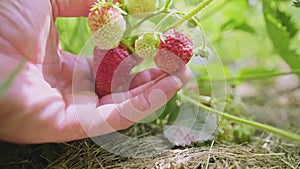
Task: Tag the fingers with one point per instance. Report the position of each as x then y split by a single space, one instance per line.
148 101
89 121
112 117
143 104
122 96
145 80
139 83
145 76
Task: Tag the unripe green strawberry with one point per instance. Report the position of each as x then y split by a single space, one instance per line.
111 68
141 6
107 24
146 45
174 51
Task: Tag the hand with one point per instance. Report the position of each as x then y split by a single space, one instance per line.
41 104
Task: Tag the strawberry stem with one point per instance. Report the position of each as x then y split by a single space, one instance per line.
280 132
202 32
164 19
255 76
167 6
146 19
192 13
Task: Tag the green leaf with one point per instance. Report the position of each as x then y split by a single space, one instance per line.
296 3
171 110
281 29
74 33
230 130
193 125
286 22
236 25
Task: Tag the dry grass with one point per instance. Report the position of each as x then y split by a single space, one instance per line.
266 151
270 152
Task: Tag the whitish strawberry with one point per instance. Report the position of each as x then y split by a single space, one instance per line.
146 45
174 51
111 68
107 24
141 6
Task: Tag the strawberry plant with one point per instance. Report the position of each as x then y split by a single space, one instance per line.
166 34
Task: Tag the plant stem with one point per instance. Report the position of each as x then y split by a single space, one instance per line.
189 15
217 7
167 6
163 20
280 132
145 19
256 76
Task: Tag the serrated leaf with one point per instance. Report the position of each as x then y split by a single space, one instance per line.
296 3
235 25
286 22
281 29
191 126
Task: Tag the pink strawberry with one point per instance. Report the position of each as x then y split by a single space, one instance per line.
174 51
107 24
111 68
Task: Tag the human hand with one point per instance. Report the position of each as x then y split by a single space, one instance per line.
42 105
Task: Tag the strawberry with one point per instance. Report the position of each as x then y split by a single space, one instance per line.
146 45
141 6
174 51
107 24
111 68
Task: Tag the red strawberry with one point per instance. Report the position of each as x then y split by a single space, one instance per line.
107 24
111 68
174 51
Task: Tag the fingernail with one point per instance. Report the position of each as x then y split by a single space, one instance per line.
178 81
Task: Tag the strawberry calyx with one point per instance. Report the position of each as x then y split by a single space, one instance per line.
109 3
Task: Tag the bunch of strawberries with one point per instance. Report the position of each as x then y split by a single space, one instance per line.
113 61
